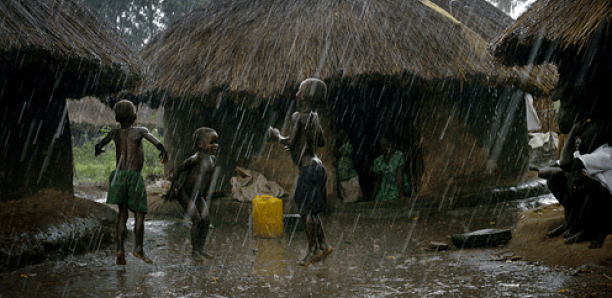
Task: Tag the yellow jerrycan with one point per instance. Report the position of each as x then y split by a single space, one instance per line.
267 217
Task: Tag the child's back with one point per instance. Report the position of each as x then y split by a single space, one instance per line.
126 185
128 144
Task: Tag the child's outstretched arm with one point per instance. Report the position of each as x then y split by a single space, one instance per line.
163 155
286 140
176 173
109 137
186 165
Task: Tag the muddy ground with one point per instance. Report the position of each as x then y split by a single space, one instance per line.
379 252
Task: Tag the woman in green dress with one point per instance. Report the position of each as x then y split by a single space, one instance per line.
390 167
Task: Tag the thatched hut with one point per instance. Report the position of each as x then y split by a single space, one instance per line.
49 51
479 15
89 115
430 86
575 35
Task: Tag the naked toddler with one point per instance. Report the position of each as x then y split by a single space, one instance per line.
192 193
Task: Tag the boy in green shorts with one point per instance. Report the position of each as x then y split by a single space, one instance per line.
126 186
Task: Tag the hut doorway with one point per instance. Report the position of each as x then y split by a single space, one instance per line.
368 112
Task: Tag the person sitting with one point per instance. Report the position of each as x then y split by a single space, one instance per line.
348 180
580 181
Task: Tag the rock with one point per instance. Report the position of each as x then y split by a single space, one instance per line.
437 246
481 238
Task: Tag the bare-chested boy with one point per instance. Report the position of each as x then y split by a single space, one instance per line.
192 193
311 190
126 186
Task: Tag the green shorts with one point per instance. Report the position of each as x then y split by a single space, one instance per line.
127 187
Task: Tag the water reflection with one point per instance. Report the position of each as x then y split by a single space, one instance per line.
530 203
270 258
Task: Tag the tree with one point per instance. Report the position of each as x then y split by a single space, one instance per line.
139 20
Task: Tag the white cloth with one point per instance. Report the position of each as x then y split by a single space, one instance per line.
598 165
533 122
350 190
249 184
548 140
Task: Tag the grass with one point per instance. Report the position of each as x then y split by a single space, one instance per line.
97 169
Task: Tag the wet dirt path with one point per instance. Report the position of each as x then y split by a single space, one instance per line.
375 256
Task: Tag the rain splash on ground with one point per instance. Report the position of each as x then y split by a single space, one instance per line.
376 255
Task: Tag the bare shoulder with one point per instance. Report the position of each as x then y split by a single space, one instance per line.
141 130
301 117
192 159
113 133
314 116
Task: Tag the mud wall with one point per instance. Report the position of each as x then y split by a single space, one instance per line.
37 151
473 139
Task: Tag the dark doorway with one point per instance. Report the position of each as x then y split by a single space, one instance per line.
369 112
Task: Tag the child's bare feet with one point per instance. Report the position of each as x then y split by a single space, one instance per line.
121 258
141 255
310 258
200 255
326 249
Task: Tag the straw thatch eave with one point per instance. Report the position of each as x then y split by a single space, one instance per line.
65 37
479 15
553 30
92 112
261 47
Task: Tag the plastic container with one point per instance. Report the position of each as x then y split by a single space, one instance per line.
267 217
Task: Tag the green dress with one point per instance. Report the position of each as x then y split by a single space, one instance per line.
346 168
389 189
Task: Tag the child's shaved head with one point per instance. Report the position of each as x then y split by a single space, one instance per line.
125 112
201 133
313 90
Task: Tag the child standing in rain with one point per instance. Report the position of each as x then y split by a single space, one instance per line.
311 190
126 185
393 184
192 193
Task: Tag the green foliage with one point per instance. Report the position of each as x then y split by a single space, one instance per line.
98 169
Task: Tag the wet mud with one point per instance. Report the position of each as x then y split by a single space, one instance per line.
376 255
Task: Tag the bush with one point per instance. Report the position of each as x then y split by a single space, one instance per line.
98 169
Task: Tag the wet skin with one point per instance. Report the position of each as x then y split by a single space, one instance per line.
192 194
130 157
305 136
128 143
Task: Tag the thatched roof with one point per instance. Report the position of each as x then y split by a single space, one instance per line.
263 46
65 36
553 30
91 111
479 15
